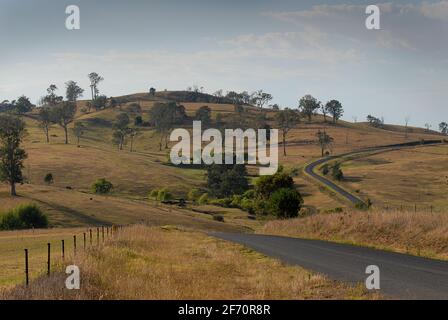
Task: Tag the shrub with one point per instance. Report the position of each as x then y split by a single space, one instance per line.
247 205
194 194
164 195
336 172
325 169
225 202
102 186
31 216
24 217
260 206
249 194
285 203
153 194
226 180
203 199
236 201
10 221
138 121
266 185
48 178
218 217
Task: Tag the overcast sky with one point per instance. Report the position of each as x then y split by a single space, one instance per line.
288 48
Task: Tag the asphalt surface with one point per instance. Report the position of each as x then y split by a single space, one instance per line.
309 169
401 276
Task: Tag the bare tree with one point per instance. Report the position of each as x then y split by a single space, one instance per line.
406 123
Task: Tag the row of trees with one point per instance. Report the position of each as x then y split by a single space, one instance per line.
19 106
310 106
55 110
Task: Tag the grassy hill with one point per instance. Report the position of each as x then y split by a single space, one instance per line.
406 175
135 174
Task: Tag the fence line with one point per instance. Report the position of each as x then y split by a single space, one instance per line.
109 233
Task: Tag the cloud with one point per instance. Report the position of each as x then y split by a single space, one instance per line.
311 45
435 10
410 27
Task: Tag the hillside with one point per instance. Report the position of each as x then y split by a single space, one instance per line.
389 178
135 174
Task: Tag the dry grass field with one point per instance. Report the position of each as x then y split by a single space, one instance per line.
135 174
422 233
168 263
415 175
407 177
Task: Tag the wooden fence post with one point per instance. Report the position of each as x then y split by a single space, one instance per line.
97 236
102 232
26 268
74 244
90 231
63 249
84 234
48 258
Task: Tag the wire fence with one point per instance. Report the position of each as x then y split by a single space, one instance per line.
37 263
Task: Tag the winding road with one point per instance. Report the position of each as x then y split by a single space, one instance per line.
401 276
309 169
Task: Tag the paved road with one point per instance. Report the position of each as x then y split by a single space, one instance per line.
401 276
309 169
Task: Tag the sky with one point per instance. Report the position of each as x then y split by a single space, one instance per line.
287 48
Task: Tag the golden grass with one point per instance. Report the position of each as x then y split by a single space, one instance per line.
168 263
401 178
13 243
422 233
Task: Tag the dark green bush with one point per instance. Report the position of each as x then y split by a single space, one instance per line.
266 185
10 221
336 172
164 195
285 203
49 178
102 186
24 217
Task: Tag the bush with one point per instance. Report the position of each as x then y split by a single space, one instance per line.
218 217
249 194
194 194
203 199
285 203
24 217
153 194
225 202
236 201
247 205
10 221
325 169
138 121
164 195
336 172
102 186
266 185
48 178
